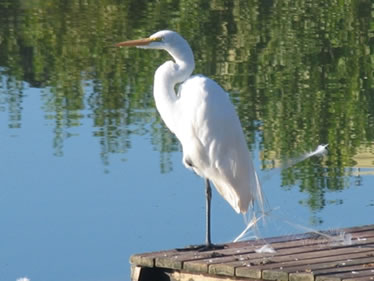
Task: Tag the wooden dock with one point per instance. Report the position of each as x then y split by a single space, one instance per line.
344 254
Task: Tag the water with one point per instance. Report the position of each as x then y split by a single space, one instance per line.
90 175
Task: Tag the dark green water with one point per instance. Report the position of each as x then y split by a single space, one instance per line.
300 73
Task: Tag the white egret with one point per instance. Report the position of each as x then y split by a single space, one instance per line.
204 120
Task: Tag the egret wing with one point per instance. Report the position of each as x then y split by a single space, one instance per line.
213 142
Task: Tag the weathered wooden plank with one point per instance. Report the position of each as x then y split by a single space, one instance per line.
221 269
368 273
226 256
328 256
173 257
148 261
300 265
282 261
365 231
301 276
331 267
180 256
338 255
366 278
248 271
231 262
359 231
306 266
324 244
135 272
195 266
355 269
202 265
310 246
327 278
275 275
186 276
175 260
168 262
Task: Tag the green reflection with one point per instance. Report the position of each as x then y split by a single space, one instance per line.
299 72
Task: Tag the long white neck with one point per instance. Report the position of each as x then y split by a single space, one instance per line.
166 77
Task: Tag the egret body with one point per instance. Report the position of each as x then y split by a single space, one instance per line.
204 120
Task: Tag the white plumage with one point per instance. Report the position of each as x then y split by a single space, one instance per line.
212 139
204 120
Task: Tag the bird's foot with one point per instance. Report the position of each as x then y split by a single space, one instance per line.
211 247
202 248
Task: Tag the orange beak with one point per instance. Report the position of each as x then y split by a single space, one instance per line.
138 42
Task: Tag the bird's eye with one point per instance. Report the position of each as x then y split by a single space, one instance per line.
158 39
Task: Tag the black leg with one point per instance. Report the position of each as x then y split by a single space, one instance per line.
208 194
208 243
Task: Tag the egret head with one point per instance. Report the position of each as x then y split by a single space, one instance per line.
164 39
171 42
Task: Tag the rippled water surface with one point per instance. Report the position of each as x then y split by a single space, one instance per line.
90 174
